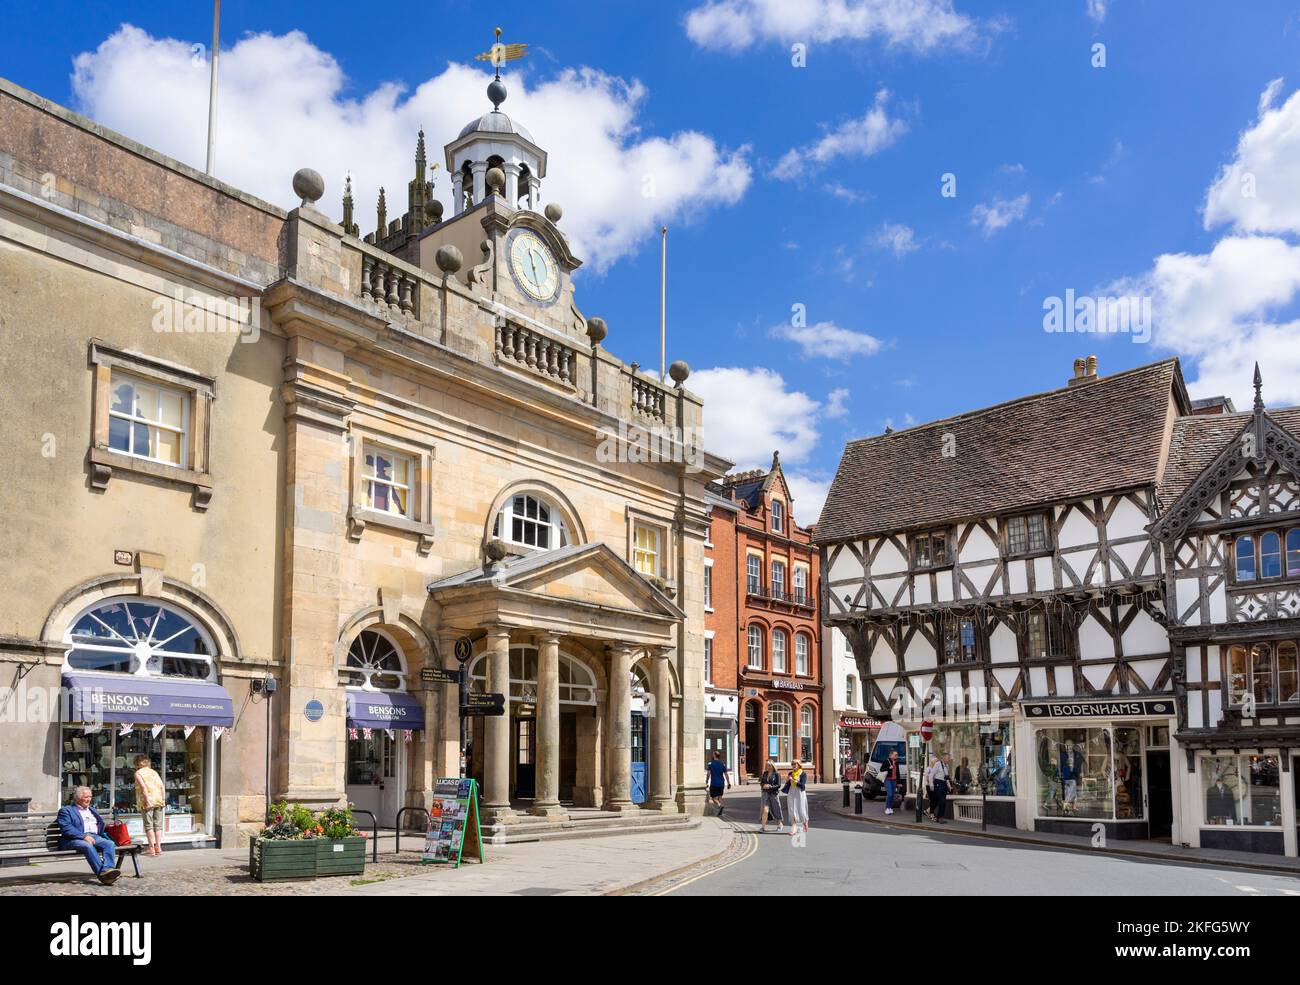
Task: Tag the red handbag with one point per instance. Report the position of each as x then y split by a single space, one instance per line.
118 833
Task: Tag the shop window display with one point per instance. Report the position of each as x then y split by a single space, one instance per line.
1076 774
104 761
979 758
1242 790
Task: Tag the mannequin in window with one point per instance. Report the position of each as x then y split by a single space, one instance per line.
1072 767
1220 804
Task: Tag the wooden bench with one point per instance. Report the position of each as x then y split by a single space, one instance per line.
35 835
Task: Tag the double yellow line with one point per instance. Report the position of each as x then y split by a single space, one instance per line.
750 848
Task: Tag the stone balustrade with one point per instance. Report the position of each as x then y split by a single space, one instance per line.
540 353
648 399
388 285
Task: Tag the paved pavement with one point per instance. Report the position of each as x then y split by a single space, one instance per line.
593 866
847 857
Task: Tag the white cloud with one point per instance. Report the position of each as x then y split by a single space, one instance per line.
837 403
1000 213
285 104
826 340
809 494
749 413
922 25
906 421
1097 11
896 237
845 194
859 137
1259 191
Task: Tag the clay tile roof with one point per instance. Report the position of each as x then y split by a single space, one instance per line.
1197 441
1062 444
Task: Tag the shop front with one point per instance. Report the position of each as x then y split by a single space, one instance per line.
381 727
111 719
1104 761
720 732
854 735
982 771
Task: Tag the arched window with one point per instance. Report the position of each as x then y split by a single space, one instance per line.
530 521
1270 556
140 636
577 686
756 647
375 663
778 651
778 728
1293 553
806 734
801 655
1245 551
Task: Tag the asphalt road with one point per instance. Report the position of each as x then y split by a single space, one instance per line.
849 858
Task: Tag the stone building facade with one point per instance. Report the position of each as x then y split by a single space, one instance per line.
775 635
271 473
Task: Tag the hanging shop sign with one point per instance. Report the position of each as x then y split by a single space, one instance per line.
1100 708
454 832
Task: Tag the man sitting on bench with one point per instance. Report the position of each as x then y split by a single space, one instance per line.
82 830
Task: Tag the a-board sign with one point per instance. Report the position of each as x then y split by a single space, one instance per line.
454 833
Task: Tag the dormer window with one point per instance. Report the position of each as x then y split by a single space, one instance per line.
530 521
778 516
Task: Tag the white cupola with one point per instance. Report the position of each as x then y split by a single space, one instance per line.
493 140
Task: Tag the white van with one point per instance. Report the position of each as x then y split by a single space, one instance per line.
890 736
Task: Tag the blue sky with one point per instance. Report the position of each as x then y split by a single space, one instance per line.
814 188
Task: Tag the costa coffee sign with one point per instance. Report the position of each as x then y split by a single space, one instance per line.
858 721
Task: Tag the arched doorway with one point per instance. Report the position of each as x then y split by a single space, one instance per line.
375 676
754 757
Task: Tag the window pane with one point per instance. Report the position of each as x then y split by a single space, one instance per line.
171 410
123 398
119 434
1261 660
1016 537
1238 674
1245 550
140 440
1270 556
146 403
167 446
1288 682
1037 532
1293 552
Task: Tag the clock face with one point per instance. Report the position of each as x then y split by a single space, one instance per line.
534 268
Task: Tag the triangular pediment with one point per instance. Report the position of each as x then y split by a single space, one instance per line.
581 575
1260 441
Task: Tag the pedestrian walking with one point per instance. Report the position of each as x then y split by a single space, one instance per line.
719 774
796 800
939 784
928 784
150 801
770 785
893 777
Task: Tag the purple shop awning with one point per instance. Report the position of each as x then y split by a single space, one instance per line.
384 709
147 700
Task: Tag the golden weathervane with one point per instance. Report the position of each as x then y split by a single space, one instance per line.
500 53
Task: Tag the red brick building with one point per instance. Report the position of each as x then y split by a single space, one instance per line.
762 632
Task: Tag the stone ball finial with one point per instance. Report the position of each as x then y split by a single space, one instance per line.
496 93
435 207
448 258
679 371
496 181
496 551
554 212
308 185
597 330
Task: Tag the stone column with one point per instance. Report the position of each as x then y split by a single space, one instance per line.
496 731
661 733
618 731
547 803
479 169
512 184
456 192
445 729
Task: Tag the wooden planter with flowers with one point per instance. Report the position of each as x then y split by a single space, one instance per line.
298 844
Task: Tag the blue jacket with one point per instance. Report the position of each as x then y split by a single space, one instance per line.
802 784
71 828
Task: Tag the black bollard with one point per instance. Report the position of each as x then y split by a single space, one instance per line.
857 802
846 793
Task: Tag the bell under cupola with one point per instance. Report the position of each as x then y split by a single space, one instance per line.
493 140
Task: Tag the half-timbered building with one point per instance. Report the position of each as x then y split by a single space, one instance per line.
993 572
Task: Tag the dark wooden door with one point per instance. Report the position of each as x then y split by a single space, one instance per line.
1160 794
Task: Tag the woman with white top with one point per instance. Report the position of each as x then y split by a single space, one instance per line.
796 800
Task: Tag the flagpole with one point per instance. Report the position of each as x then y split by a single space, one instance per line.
663 295
212 83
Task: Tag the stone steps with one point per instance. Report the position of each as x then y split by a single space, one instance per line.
588 824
